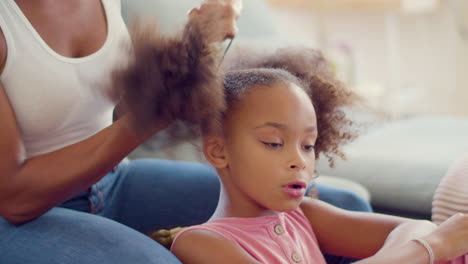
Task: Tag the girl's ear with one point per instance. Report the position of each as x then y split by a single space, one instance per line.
214 151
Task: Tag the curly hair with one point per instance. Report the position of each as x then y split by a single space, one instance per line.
308 69
177 79
171 79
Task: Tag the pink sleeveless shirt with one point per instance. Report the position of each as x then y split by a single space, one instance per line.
277 239
283 238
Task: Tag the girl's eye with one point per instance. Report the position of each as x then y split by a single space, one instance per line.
308 148
272 144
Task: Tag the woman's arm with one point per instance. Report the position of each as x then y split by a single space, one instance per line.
30 188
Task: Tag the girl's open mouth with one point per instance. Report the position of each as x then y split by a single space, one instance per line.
295 189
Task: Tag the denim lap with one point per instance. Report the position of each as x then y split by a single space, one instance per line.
149 194
71 237
141 195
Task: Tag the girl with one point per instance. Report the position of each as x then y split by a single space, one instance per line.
282 112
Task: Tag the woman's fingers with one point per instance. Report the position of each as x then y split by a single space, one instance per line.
217 19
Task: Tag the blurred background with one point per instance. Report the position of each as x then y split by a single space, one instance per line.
408 58
405 56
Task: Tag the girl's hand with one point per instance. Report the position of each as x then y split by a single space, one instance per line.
407 231
450 239
216 19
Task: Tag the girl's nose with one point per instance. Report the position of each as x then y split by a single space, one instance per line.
297 162
298 167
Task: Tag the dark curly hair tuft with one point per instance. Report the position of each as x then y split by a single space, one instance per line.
177 79
311 72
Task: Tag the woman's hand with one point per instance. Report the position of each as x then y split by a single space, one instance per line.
450 239
217 19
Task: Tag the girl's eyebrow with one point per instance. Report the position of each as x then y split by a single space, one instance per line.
283 126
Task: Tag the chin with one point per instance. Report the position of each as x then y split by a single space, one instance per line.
287 206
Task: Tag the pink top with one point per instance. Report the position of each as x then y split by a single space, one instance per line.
283 238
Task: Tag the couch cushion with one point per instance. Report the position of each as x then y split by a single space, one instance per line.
345 184
402 162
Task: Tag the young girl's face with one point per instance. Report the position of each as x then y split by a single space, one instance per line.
269 146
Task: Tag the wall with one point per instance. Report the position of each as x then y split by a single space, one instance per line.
404 63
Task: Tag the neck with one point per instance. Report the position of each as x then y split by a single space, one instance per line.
234 203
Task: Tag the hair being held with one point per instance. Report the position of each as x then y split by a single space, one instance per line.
171 79
175 79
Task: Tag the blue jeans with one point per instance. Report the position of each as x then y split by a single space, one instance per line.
106 224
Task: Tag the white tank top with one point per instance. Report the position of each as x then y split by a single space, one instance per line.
57 100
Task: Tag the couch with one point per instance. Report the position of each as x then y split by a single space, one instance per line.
402 161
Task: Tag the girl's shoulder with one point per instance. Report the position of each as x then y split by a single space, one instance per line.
198 245
315 209
335 227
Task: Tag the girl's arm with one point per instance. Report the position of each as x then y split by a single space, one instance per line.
354 234
407 253
384 239
206 247
447 242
